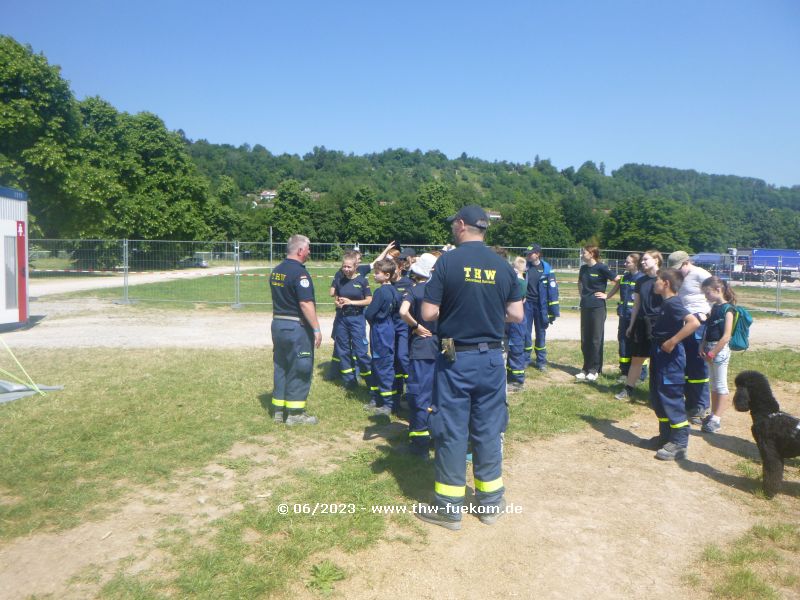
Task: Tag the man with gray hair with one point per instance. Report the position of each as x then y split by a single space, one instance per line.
295 334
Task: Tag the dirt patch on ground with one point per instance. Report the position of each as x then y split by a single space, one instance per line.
53 563
598 515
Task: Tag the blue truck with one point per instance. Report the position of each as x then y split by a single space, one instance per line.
768 263
752 264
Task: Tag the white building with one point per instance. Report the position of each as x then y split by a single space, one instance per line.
13 256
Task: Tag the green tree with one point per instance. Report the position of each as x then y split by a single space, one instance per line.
535 219
362 218
292 212
646 222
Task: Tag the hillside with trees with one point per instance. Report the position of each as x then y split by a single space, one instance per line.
92 171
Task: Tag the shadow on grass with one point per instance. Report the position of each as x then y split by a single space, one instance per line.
732 444
414 475
265 399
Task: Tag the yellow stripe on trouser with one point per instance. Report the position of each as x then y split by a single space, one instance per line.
488 486
510 370
706 380
419 433
335 359
366 373
295 404
346 371
453 491
660 420
528 348
278 403
387 393
679 425
622 359
542 348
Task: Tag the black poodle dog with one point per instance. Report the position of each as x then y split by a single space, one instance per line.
776 433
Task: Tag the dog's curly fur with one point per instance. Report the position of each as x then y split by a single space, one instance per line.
777 434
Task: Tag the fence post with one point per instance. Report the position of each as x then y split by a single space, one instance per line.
270 245
237 274
778 280
125 269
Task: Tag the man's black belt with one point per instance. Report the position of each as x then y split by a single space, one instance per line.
351 311
480 346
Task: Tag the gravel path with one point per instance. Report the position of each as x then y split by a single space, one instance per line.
98 323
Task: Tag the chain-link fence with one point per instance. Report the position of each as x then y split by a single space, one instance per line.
235 273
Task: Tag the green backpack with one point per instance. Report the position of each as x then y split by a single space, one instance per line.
740 336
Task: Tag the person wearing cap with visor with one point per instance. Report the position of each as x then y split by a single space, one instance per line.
471 294
423 349
691 295
541 305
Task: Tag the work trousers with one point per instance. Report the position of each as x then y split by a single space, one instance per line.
419 393
401 359
381 339
666 394
469 405
697 378
593 322
535 333
624 344
293 364
517 360
349 340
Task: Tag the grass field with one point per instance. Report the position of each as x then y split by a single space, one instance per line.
129 418
255 293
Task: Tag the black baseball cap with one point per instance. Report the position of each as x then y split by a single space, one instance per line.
472 214
406 252
533 248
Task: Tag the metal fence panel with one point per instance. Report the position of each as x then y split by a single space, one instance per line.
236 273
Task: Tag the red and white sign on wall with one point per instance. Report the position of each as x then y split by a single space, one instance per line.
22 271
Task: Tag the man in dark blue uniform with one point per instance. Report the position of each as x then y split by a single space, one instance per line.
541 305
472 293
295 334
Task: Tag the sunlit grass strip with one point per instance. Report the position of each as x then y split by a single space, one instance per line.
760 564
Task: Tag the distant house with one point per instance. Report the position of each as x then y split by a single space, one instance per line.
494 215
267 195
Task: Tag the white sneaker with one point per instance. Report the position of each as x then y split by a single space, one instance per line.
591 377
580 376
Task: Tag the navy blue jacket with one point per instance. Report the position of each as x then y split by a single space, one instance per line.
547 287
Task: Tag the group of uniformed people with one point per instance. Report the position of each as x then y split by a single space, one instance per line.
438 325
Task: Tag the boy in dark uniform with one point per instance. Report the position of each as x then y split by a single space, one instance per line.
471 294
402 283
423 350
667 364
380 315
295 334
352 294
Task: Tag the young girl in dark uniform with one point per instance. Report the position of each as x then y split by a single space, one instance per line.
593 279
667 364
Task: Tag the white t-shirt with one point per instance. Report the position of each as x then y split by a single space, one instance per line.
691 294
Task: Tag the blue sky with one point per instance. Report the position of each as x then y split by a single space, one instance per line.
707 85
